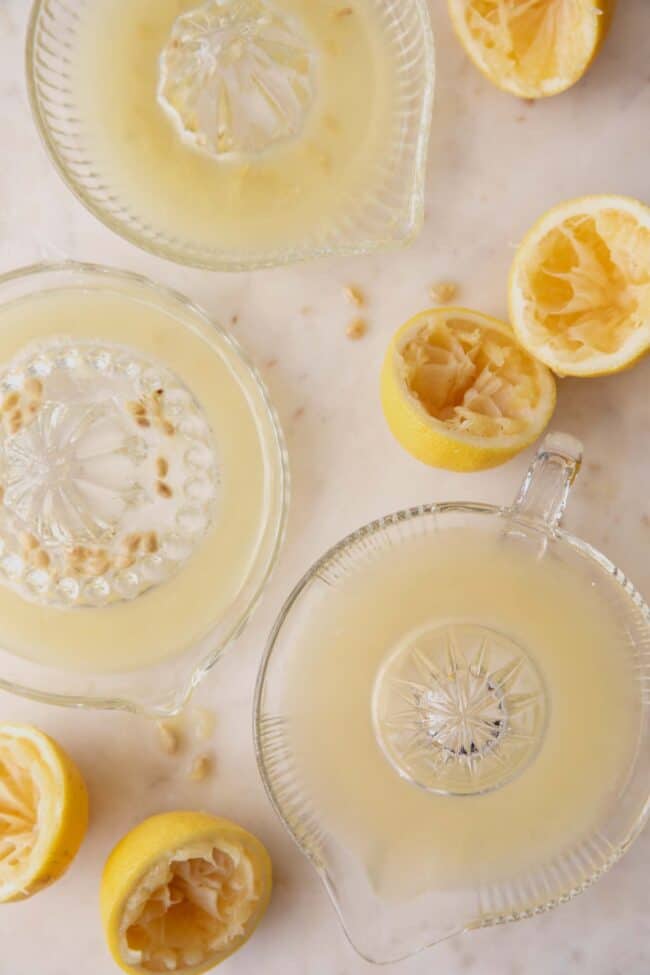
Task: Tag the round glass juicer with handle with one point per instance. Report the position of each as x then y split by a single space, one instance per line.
144 487
429 715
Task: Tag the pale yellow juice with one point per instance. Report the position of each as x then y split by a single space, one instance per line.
407 838
270 191
129 523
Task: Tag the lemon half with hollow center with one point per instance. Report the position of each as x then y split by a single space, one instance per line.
459 392
580 286
43 811
532 48
181 892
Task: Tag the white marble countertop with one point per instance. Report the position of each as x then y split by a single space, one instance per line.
496 163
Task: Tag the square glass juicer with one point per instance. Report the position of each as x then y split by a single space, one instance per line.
233 134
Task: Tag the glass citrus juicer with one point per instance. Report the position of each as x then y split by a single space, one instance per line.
452 715
232 134
143 484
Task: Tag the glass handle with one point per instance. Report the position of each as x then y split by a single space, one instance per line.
545 490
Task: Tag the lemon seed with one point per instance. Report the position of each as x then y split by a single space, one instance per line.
444 291
10 402
168 738
355 295
200 768
356 329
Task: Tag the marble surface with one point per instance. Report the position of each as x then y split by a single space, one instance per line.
495 164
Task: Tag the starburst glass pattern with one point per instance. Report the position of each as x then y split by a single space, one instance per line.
459 708
108 473
236 77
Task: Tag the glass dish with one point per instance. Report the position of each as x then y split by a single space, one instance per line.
79 459
383 219
389 928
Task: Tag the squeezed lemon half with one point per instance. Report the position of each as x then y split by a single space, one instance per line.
580 286
459 392
532 48
43 811
181 892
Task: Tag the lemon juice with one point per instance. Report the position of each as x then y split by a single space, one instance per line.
241 126
137 476
461 707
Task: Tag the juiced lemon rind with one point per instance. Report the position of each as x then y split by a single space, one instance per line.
579 289
182 892
459 392
43 811
532 50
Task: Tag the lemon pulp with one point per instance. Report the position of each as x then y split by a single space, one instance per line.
20 792
459 392
43 812
580 288
473 381
531 48
183 891
194 904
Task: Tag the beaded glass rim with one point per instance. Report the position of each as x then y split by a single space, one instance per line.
190 669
